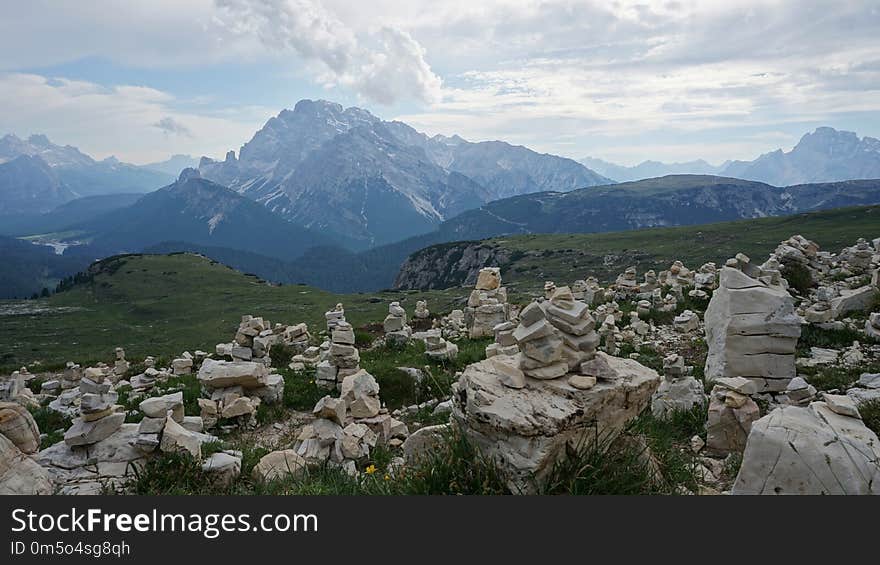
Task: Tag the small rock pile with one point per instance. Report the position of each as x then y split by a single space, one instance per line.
679 391
396 330
421 312
627 284
236 389
99 418
120 367
334 317
555 337
341 358
487 305
505 343
731 414
872 326
686 322
677 278
347 428
308 359
256 336
166 427
453 326
439 349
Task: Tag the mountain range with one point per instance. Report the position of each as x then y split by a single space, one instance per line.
344 171
200 212
37 175
825 155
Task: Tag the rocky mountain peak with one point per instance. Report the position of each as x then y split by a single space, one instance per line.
187 174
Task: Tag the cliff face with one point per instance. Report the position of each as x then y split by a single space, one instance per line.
448 265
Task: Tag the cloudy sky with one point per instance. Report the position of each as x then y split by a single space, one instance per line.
619 80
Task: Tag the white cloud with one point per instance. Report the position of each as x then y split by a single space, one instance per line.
381 65
574 77
135 123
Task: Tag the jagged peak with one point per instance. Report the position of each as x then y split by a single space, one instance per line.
187 174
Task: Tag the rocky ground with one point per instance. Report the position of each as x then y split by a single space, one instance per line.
736 377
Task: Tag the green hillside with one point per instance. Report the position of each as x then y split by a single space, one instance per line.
164 304
563 258
566 257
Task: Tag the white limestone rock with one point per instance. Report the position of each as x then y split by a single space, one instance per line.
19 473
809 450
279 465
527 430
19 427
751 331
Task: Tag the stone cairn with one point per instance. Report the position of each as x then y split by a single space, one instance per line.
487 305
556 338
650 284
341 358
525 411
334 317
437 348
256 336
121 366
679 391
731 414
344 431
549 289
627 284
589 291
99 417
397 332
751 328
872 326
14 388
505 343
677 278
686 322
158 411
236 389
453 326
421 312
705 281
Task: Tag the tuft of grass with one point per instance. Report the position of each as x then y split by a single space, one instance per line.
281 354
798 276
814 336
50 423
839 377
870 412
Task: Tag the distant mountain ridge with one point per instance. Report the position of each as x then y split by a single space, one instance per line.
201 212
825 155
650 169
345 171
68 174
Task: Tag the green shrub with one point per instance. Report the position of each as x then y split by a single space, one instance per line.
798 277
870 412
50 423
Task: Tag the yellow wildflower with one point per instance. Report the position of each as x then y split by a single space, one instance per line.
371 469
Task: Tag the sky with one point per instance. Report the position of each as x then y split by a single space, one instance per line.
619 80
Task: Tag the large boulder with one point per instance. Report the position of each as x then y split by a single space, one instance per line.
279 465
90 469
526 430
19 473
752 331
19 427
222 374
809 450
